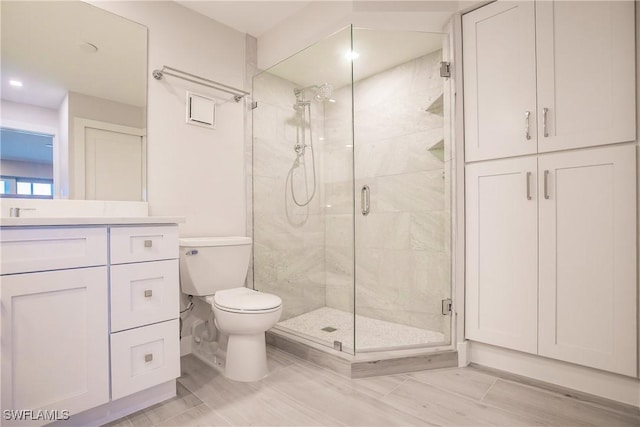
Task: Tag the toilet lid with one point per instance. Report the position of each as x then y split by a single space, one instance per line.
246 299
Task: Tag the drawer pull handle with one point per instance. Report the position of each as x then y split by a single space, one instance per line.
148 293
148 357
148 243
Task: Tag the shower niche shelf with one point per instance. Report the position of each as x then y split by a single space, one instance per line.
436 106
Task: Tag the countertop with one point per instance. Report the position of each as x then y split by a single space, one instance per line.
53 221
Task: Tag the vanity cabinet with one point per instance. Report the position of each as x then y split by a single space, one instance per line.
55 332
89 317
145 345
548 75
551 256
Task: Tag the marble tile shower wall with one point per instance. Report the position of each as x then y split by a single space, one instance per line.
403 251
289 254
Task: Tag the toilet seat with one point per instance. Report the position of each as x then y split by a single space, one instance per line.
245 300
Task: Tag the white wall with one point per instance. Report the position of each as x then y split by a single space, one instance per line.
104 110
192 171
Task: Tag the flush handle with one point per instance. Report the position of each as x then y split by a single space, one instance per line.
148 293
148 243
148 357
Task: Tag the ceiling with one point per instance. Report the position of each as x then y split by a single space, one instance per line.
26 146
247 16
44 45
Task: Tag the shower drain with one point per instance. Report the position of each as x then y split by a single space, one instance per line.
329 329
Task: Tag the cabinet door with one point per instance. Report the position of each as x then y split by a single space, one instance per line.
586 73
55 348
501 253
499 81
588 258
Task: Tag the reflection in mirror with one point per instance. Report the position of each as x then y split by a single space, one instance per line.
27 164
73 102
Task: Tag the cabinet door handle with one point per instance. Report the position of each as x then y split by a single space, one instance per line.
528 185
148 293
545 130
365 200
148 243
527 115
148 357
546 184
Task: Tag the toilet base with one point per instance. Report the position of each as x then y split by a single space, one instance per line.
246 359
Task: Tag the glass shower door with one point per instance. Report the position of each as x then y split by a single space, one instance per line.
401 175
303 204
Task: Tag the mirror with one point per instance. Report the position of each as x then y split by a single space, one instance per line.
74 93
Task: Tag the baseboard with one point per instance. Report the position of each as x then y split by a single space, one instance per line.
594 382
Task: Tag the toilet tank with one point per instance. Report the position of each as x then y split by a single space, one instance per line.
210 264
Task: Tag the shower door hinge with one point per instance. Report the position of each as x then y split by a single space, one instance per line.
253 105
446 307
445 69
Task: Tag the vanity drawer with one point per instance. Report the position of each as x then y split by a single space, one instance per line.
144 357
136 244
144 293
54 248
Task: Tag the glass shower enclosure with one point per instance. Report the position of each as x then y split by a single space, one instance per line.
351 191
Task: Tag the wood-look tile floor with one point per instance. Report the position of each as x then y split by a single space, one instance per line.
299 393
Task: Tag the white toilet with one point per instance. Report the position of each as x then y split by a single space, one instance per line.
215 268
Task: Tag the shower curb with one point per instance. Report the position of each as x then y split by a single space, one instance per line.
354 367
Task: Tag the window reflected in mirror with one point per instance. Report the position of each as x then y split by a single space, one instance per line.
26 164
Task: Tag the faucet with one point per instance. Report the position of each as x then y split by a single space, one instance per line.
15 212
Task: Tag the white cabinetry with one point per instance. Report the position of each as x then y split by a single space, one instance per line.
588 258
145 347
62 347
55 335
499 81
551 270
579 93
502 253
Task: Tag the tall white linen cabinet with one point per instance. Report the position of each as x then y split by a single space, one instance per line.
550 180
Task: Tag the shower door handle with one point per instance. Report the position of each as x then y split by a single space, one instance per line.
365 200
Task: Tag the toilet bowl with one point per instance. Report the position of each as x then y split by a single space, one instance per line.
215 269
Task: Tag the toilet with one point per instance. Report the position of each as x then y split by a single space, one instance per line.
214 269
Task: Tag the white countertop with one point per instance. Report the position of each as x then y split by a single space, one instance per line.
43 221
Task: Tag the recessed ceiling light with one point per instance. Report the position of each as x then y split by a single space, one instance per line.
351 55
87 47
15 83
331 100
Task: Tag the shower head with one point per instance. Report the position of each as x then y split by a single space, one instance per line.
322 92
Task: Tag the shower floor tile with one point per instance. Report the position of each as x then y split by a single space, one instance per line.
372 334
